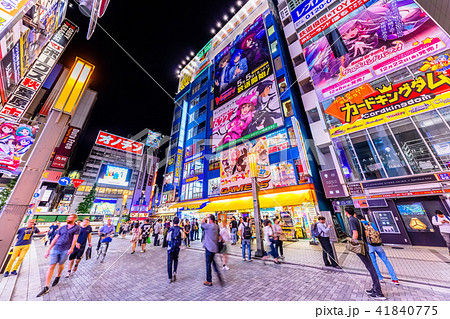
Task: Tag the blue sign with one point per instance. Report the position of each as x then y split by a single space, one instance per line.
64 181
36 195
307 10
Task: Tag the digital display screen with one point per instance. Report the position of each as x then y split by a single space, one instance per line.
114 175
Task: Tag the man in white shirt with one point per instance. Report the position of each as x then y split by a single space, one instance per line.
324 239
444 226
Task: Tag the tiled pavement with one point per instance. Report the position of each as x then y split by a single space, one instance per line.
143 276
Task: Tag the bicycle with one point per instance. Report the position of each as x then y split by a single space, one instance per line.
101 252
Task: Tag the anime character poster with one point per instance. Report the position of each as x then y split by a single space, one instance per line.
283 174
250 114
241 64
15 141
153 139
235 168
384 37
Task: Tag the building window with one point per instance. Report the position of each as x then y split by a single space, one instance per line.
196 88
274 46
306 85
202 110
287 21
199 146
347 158
203 95
299 59
270 30
278 63
201 127
175 128
204 80
195 101
282 85
313 116
287 108
177 115
291 39
191 133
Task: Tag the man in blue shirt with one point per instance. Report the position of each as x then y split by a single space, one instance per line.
83 238
60 248
105 231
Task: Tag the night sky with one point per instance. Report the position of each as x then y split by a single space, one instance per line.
159 35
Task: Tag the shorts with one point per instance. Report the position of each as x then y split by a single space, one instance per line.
144 239
224 249
77 253
58 256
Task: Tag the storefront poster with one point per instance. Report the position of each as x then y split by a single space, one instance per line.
283 174
379 40
277 141
214 187
415 217
385 222
248 115
308 10
243 63
331 184
104 206
11 70
153 139
15 141
168 178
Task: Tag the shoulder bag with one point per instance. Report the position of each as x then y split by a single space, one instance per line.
356 246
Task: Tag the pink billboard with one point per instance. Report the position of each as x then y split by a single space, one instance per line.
379 40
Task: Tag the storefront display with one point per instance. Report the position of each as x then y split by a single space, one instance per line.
415 218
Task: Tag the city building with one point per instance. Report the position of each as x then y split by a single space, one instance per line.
236 97
374 82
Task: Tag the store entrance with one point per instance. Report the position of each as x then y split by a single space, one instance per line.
416 215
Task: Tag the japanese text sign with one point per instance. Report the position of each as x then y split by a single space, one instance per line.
120 143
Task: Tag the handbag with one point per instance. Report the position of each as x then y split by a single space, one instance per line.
88 253
282 237
356 246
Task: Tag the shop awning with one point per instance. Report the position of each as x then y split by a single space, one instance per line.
265 201
191 205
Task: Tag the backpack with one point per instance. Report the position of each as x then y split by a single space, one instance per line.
174 237
315 230
373 236
247 231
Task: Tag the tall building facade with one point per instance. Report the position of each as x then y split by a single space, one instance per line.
236 98
374 81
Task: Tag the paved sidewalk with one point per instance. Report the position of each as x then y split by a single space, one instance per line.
143 276
423 265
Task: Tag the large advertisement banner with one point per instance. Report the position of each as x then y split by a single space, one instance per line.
235 168
243 63
250 114
15 141
381 39
119 143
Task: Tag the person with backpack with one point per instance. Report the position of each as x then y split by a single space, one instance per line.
358 237
245 231
444 226
174 243
374 243
322 232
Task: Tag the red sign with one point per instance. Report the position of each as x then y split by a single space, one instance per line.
329 18
59 161
120 143
51 176
77 182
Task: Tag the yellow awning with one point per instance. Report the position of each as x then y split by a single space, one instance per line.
265 201
191 205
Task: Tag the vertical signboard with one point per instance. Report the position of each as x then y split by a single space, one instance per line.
303 156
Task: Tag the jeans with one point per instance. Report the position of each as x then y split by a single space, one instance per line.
246 243
373 273
172 258
233 235
192 235
18 251
155 239
327 252
279 245
187 241
196 234
446 237
210 260
373 250
273 249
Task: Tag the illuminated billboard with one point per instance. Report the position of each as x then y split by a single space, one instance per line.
104 206
379 40
114 175
242 63
248 115
119 143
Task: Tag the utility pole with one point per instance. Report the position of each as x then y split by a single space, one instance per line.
256 211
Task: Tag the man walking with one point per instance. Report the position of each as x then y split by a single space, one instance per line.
60 248
234 230
24 238
245 231
103 232
444 226
174 243
83 238
156 231
145 233
210 243
357 233
324 239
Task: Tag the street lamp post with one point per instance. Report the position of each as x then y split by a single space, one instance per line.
256 211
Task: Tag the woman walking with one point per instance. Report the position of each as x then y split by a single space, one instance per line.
225 238
278 233
270 242
135 234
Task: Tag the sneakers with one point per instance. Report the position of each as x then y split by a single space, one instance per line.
377 296
282 257
243 259
170 281
68 274
174 276
337 267
43 292
370 291
6 274
225 267
207 283
55 282
132 252
250 260
395 282
14 272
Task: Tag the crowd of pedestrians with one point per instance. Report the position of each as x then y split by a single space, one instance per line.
73 240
